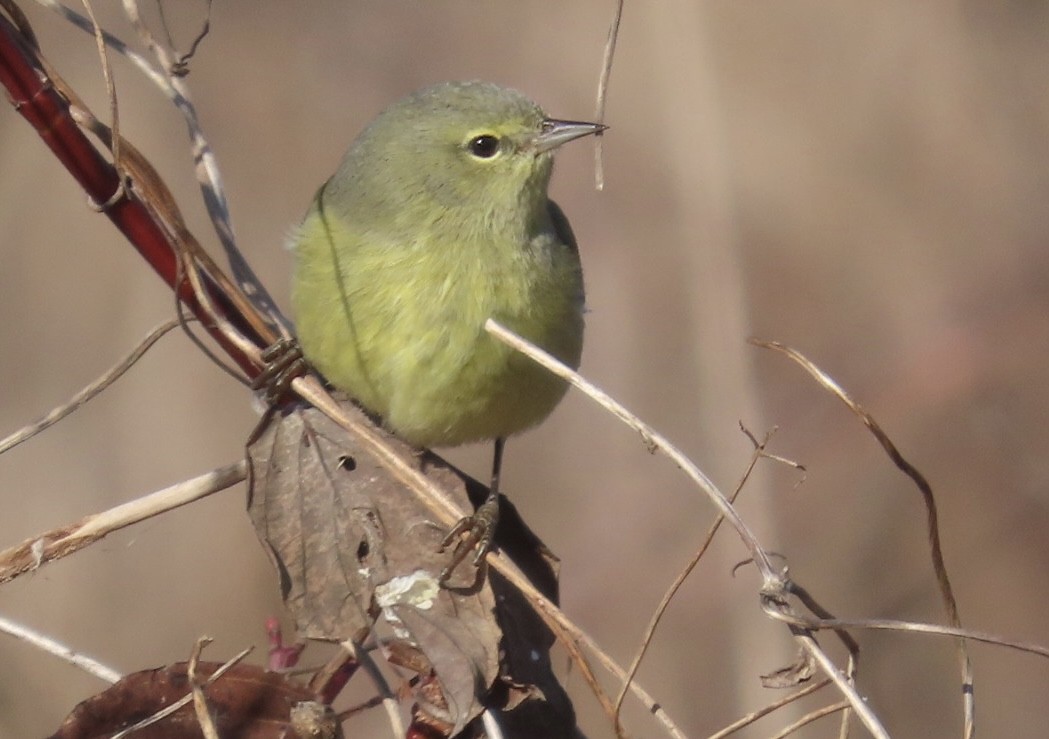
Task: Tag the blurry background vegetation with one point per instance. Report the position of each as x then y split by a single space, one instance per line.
867 182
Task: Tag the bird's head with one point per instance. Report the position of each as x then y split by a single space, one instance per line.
455 147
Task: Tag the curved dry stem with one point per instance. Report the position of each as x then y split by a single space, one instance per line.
196 685
932 519
602 93
111 375
773 588
887 624
754 716
657 616
389 701
57 649
168 79
652 439
810 717
168 710
206 168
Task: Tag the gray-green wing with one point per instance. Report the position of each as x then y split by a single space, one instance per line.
562 227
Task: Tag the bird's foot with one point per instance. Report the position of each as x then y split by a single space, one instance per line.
474 533
284 362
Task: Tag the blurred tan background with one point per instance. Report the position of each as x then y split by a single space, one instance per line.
866 182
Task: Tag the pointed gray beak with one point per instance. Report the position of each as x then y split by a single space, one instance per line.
557 132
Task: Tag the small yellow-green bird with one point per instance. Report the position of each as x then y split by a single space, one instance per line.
436 220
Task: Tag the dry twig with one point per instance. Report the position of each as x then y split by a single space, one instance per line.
933 528
168 710
602 93
389 701
650 630
200 701
87 393
773 591
53 647
63 541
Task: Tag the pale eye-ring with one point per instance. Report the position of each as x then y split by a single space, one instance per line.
485 146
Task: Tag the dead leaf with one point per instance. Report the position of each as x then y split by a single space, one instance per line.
247 703
353 545
798 672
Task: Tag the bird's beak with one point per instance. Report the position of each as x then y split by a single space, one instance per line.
554 133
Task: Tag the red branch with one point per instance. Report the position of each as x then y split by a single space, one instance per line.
33 96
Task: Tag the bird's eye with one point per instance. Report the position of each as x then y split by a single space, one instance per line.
484 147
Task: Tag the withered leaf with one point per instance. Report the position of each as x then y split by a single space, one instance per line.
245 702
798 672
352 543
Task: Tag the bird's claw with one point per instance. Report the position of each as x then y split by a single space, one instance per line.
471 533
284 362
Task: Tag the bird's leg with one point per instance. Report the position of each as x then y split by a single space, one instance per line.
284 362
475 532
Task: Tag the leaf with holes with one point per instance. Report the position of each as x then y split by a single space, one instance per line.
354 546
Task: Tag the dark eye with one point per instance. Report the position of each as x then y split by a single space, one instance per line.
484 147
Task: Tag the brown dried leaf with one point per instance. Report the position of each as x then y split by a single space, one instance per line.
798 672
352 543
246 702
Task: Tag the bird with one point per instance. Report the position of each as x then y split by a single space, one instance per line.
437 219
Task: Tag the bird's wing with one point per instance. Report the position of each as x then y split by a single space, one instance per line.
562 227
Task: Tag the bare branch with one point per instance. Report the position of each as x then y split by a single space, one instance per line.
108 378
61 542
389 702
53 647
932 525
168 710
657 616
773 592
602 93
200 701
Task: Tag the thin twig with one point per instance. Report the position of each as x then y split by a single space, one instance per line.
652 439
61 542
887 624
152 222
49 645
206 168
491 725
111 87
90 391
602 93
200 701
168 80
657 616
773 592
389 701
810 717
764 711
932 520
183 701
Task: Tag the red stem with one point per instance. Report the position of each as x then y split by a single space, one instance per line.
47 111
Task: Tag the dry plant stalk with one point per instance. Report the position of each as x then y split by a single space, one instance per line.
65 540
168 710
774 593
47 644
602 93
933 529
200 701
